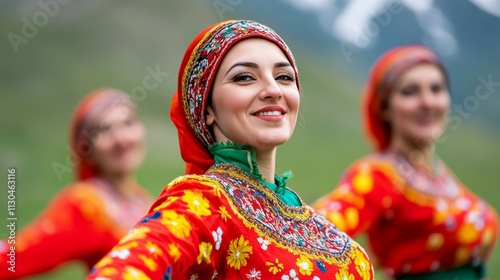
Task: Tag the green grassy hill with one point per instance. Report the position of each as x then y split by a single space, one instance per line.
91 44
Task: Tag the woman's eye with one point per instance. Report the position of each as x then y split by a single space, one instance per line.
437 88
285 77
103 129
408 91
243 78
130 121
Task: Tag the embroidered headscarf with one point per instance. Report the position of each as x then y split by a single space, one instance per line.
383 75
196 75
84 125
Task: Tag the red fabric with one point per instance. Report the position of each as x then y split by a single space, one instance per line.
196 156
87 218
76 225
218 227
410 231
196 75
380 81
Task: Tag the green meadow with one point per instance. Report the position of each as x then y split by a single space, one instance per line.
92 44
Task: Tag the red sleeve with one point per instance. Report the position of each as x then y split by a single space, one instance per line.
170 239
362 197
71 227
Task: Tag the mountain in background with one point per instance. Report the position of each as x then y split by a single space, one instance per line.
350 35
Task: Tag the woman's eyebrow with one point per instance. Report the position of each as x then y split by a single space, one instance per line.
254 65
282 64
245 64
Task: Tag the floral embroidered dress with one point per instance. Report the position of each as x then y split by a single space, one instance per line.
415 224
82 223
230 224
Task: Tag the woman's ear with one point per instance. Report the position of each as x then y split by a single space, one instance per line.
209 116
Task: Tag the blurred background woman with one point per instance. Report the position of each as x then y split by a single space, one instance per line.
87 218
421 221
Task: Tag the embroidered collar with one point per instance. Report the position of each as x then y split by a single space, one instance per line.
245 158
443 185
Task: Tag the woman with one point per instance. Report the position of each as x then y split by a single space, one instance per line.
421 221
86 219
231 217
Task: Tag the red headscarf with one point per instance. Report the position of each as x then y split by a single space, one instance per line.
196 75
383 75
83 126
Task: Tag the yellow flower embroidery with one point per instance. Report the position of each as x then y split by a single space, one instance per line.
467 234
197 203
344 275
148 262
462 254
164 204
351 217
176 223
153 249
216 190
135 233
205 252
435 241
124 245
174 252
363 266
103 262
275 267
122 251
362 181
132 273
108 271
239 251
337 219
305 265
224 214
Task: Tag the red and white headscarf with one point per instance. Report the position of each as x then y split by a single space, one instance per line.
196 75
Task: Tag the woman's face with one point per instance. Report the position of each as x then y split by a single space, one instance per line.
255 99
118 145
418 105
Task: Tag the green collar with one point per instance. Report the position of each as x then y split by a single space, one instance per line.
245 158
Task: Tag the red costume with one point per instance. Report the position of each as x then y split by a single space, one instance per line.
227 222
418 226
86 219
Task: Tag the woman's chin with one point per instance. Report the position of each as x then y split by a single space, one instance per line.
426 139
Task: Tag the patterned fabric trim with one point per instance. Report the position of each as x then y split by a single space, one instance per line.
299 230
413 185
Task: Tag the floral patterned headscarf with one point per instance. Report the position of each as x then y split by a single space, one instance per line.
196 75
383 75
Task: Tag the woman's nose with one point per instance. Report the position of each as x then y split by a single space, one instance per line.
428 98
271 90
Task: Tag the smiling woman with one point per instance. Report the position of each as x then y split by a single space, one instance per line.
231 216
87 218
264 111
421 221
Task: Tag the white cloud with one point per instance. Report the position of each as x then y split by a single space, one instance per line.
315 5
490 6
